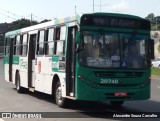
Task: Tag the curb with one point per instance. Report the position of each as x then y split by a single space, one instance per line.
155 77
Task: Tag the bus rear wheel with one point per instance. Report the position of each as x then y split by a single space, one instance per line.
116 103
18 85
60 101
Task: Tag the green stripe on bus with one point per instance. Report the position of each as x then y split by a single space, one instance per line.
55 63
15 60
5 60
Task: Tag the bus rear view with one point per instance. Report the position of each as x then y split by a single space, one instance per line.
114 56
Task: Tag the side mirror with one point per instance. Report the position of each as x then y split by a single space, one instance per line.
77 37
152 48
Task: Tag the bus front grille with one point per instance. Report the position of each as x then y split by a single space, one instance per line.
115 74
118 85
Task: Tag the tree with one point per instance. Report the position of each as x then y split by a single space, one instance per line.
45 20
150 17
155 21
21 24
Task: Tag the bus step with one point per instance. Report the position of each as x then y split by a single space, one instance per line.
71 94
72 98
31 89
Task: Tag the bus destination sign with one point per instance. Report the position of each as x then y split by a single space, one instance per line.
113 22
119 22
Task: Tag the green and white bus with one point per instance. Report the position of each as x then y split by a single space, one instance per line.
93 57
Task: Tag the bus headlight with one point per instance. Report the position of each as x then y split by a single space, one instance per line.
146 82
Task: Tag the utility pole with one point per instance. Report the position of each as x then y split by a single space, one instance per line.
93 6
31 19
156 24
75 9
100 5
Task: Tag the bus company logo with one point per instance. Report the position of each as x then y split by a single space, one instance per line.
55 64
23 64
6 115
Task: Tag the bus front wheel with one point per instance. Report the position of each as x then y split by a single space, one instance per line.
60 101
18 85
116 103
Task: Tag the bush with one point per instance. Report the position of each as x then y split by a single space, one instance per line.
156 71
159 48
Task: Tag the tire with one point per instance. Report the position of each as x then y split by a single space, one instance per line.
60 101
116 103
18 84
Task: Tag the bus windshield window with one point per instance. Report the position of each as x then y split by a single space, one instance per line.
134 53
105 50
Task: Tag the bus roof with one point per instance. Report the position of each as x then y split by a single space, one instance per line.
44 25
118 15
65 20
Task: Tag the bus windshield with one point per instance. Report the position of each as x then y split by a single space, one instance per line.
113 50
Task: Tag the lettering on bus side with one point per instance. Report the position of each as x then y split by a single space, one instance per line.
23 64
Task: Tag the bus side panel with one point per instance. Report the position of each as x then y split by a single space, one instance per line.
6 68
15 67
6 72
39 82
48 76
23 71
57 70
43 74
38 74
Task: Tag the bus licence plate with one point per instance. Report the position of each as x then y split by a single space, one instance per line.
120 94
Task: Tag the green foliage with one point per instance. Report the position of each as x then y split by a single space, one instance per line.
21 24
150 17
45 20
153 27
1 40
156 71
155 21
159 48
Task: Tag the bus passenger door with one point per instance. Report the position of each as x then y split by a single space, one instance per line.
70 62
31 59
10 59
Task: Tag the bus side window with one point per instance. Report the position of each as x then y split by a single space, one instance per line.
18 45
7 46
49 46
24 44
21 44
40 43
14 45
60 40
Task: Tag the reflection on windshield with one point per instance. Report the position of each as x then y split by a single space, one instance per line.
134 53
111 51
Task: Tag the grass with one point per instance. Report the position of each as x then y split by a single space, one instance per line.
159 48
156 71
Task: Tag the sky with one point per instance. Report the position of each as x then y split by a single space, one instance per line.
11 10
